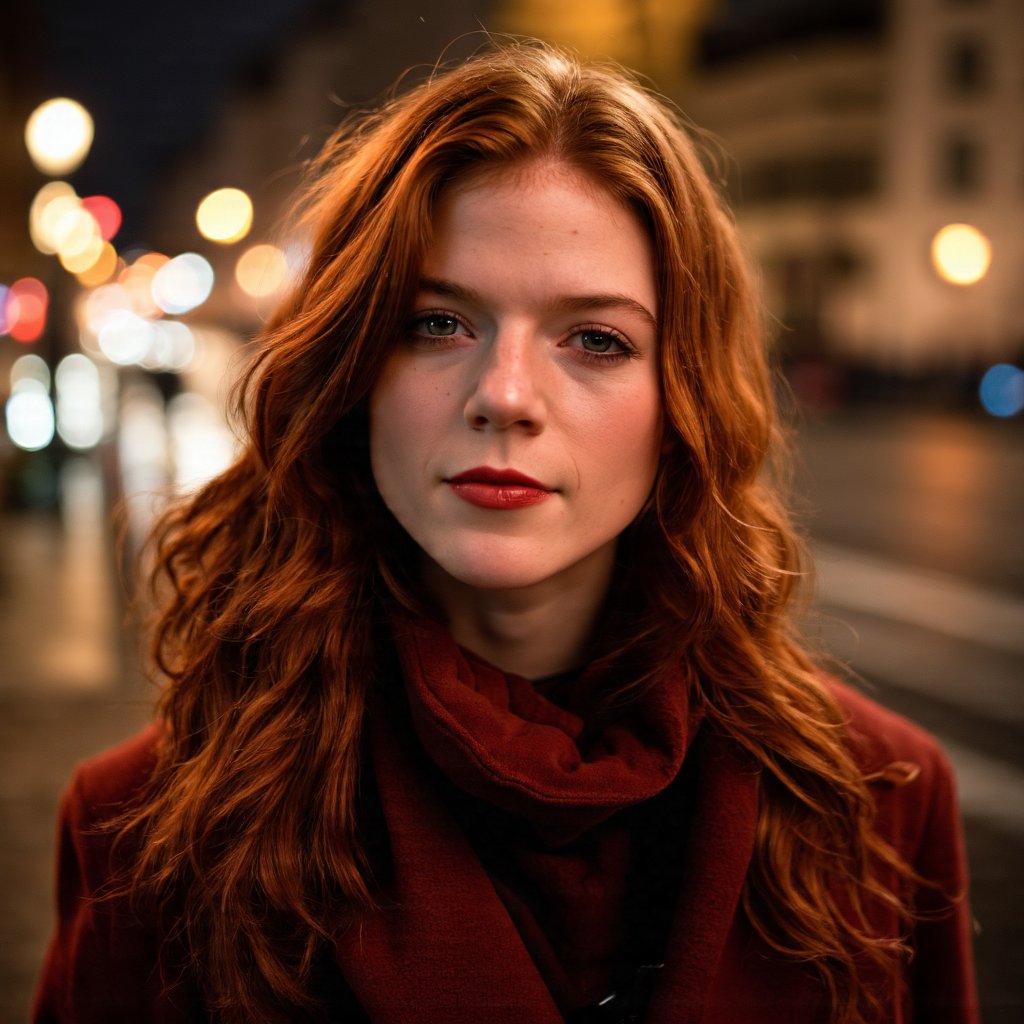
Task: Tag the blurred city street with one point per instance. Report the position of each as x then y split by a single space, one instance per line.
916 522
871 153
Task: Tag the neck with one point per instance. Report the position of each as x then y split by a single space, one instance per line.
533 631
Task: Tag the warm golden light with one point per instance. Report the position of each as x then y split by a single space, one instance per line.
138 281
961 254
52 203
58 136
102 270
81 262
261 271
225 216
76 232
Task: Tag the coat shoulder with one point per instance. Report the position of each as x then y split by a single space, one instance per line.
107 783
882 741
912 783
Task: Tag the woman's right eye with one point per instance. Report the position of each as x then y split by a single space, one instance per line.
436 325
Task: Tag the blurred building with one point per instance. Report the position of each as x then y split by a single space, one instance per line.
856 131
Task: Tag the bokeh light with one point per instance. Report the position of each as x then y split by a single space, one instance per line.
102 270
30 373
201 443
58 135
262 271
225 215
79 402
142 446
174 347
106 213
137 279
85 258
75 232
125 337
101 301
1002 390
961 254
30 422
50 205
29 411
25 309
182 283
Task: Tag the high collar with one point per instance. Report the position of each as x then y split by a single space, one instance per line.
566 766
441 948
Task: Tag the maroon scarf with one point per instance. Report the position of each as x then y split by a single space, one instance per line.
443 948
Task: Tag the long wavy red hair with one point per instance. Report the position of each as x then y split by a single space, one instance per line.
275 576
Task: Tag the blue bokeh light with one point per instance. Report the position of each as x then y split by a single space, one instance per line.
1002 390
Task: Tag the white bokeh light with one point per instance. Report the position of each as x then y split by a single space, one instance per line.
182 283
79 402
58 135
30 421
125 338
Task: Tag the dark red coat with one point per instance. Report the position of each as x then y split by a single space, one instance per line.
457 959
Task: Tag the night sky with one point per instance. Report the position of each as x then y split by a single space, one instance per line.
151 73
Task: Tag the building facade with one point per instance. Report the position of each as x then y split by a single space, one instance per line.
851 146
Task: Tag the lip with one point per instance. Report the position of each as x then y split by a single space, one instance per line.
491 488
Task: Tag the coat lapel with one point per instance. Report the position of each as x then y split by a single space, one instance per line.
718 852
443 949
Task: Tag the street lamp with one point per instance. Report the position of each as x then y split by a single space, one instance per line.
58 135
961 254
225 216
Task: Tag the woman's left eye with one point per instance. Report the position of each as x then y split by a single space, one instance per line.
598 341
595 341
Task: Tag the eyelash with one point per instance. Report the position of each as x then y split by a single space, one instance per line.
627 351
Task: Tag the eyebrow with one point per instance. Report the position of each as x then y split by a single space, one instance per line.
562 303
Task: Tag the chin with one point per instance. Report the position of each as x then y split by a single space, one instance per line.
495 575
494 565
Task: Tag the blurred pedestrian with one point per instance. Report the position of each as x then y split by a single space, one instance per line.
482 699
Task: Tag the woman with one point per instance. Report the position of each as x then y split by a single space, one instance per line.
483 704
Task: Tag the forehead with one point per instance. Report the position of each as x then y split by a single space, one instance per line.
540 225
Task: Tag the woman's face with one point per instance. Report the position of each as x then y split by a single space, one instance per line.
516 429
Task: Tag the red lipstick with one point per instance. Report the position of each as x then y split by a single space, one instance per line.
498 488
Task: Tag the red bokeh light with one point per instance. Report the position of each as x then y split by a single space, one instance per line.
106 213
25 309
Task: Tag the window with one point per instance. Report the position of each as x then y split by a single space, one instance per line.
961 165
966 71
820 176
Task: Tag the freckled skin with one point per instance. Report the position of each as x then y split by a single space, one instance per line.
515 384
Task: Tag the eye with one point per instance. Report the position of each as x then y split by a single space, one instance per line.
436 325
599 344
599 341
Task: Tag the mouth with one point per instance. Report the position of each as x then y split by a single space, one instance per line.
497 478
501 489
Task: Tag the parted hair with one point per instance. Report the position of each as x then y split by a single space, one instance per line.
274 577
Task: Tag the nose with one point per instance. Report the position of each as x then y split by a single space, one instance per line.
508 388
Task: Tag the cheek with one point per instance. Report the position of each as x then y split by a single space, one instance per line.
392 425
634 433
404 404
406 425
